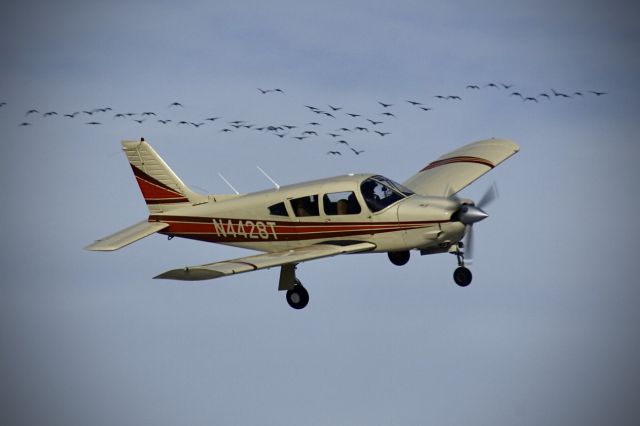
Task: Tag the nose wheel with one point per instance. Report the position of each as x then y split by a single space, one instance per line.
462 275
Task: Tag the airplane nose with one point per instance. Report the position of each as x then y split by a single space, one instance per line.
471 214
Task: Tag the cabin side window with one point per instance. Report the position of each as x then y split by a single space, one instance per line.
340 203
305 206
278 210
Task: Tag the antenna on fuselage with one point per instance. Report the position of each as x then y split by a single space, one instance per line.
228 184
269 177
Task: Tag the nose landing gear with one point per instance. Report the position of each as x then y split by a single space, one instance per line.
462 275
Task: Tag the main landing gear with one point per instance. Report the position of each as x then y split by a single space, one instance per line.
462 275
399 258
298 296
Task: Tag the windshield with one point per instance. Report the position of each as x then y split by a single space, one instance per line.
380 192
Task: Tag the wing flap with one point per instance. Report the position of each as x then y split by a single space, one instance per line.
262 261
127 236
454 171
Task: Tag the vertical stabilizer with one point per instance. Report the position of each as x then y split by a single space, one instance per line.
161 188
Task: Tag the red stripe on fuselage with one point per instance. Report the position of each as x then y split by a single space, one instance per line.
253 230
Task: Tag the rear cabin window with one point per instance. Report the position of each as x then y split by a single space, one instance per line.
339 203
305 206
278 210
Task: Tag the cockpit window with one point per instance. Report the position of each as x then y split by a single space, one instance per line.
380 192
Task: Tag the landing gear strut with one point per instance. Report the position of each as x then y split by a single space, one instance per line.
462 275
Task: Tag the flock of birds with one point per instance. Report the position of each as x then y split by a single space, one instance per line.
373 124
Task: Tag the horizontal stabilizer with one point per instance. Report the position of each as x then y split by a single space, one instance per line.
127 236
262 261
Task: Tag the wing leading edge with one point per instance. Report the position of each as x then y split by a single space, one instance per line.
261 261
454 171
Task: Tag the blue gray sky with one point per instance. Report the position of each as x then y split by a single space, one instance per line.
546 333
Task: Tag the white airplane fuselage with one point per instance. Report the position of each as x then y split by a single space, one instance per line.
414 222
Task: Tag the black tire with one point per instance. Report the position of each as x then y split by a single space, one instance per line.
399 258
297 297
462 276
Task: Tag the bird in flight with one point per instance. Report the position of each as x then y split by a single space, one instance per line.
93 123
32 111
164 121
562 95
530 98
212 118
2 104
265 91
24 124
353 115
414 103
335 108
595 92
385 105
343 142
334 153
176 104
473 86
382 133
374 122
356 152
50 113
425 108
388 114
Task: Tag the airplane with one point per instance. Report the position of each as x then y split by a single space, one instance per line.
353 213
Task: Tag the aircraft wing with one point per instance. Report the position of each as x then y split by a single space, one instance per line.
127 236
264 260
454 171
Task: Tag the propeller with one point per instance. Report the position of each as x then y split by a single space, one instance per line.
470 214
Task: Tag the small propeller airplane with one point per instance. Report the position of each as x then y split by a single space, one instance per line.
355 213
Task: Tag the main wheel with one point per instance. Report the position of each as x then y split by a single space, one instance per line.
462 276
297 297
399 258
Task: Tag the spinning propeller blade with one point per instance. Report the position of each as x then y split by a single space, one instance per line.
475 214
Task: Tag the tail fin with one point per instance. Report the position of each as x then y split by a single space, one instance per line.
161 188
